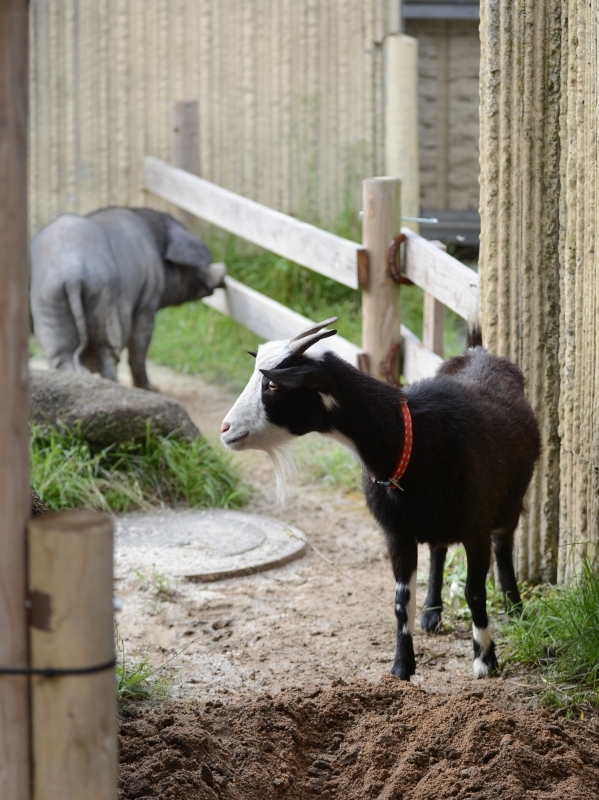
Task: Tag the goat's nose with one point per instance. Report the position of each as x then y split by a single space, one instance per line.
224 427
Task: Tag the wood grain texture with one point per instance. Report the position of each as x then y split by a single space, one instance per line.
73 717
401 120
418 361
305 244
14 431
451 282
381 205
433 324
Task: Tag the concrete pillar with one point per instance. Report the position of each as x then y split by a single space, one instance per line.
519 258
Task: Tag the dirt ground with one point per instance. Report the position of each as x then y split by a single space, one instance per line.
281 688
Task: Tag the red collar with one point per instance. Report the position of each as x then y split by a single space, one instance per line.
404 458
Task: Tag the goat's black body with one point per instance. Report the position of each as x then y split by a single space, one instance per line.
475 443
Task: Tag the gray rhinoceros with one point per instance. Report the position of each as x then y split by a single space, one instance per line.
97 282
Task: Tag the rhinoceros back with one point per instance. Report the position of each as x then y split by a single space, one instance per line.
74 290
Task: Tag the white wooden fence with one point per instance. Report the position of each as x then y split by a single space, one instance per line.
445 280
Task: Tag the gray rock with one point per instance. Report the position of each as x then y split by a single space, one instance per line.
106 411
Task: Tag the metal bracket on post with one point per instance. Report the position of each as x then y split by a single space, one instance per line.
393 356
393 261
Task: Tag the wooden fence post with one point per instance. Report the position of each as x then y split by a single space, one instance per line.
185 145
433 324
433 318
14 431
401 120
381 206
71 626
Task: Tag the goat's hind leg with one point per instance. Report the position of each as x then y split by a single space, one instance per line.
503 546
404 558
433 605
485 660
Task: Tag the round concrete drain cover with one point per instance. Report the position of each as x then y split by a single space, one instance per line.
205 545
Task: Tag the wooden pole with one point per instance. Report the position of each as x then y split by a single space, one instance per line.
185 144
433 324
433 318
14 432
73 717
401 121
381 205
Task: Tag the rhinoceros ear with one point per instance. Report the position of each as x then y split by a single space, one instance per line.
183 248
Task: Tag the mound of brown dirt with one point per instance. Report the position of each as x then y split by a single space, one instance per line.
355 740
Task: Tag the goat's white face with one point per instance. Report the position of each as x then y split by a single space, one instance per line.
246 426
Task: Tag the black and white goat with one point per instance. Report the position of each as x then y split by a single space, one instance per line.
465 442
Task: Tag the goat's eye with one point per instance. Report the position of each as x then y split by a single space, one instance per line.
273 386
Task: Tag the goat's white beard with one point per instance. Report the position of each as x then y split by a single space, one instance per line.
285 471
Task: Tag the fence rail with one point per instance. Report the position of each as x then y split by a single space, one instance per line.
443 278
291 238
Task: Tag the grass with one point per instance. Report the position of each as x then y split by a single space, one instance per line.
68 472
137 678
555 640
163 587
319 459
193 338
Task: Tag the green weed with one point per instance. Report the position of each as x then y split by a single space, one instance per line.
555 640
68 472
137 678
162 585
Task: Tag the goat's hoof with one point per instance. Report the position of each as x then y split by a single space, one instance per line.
430 620
485 666
401 672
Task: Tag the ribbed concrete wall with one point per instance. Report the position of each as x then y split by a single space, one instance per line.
448 74
579 295
539 298
290 93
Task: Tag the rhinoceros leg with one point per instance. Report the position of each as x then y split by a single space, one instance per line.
139 341
108 362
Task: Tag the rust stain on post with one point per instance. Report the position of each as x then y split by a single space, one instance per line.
40 610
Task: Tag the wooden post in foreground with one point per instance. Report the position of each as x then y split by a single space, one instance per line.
381 206
72 626
14 430
185 144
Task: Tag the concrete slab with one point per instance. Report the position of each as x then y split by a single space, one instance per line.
204 545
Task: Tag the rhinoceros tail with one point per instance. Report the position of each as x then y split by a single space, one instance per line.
74 290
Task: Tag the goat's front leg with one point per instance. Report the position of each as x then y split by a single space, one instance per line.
433 605
404 559
485 660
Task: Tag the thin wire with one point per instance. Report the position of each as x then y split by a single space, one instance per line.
56 672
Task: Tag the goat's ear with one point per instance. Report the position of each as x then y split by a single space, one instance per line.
305 375
251 353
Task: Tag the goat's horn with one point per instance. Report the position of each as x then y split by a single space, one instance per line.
314 329
308 341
